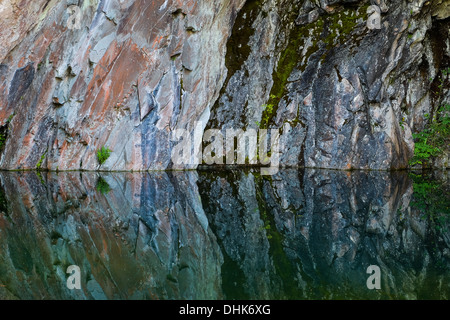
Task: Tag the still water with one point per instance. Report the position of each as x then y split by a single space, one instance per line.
308 234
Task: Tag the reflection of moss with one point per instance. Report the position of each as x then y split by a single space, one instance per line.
283 266
103 186
432 197
19 245
3 201
171 278
41 179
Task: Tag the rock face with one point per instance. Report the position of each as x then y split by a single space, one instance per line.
196 235
79 75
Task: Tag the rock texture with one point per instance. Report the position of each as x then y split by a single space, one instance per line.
196 235
310 234
133 237
79 75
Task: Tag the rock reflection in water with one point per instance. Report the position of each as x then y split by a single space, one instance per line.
218 235
145 238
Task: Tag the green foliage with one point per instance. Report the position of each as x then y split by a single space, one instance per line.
2 140
3 201
103 186
431 141
267 114
402 123
103 154
41 179
433 198
39 164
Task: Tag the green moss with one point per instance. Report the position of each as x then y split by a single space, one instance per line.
283 266
267 113
288 61
326 32
39 164
341 24
3 201
434 140
238 49
431 197
2 140
41 179
4 130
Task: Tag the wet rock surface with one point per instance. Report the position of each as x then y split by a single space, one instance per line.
308 234
79 75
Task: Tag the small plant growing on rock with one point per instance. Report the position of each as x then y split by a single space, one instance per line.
435 139
103 154
431 141
402 123
267 114
41 160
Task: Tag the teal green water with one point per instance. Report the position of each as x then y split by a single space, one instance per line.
300 234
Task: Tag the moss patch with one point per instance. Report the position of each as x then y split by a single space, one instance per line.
102 186
41 160
327 32
4 131
238 49
3 201
282 264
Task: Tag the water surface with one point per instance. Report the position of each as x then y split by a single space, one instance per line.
301 234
